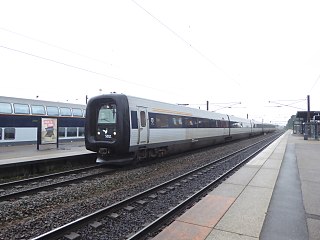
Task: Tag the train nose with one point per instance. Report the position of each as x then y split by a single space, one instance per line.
104 151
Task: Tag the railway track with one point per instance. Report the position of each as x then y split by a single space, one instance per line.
33 185
138 216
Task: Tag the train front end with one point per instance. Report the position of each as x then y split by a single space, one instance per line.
107 128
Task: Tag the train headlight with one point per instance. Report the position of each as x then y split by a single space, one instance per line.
98 133
114 133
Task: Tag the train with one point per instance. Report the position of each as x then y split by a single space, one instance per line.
123 129
20 117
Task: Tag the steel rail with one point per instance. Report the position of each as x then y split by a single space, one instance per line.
175 210
61 231
27 180
52 185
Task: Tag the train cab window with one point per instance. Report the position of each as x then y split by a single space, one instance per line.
107 114
0 134
77 112
52 111
9 133
37 109
5 108
21 108
65 111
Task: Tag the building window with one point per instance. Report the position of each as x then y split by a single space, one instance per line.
9 133
5 108
21 108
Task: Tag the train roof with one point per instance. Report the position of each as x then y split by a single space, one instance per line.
4 99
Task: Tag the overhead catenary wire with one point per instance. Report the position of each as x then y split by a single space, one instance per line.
315 83
75 67
186 42
54 46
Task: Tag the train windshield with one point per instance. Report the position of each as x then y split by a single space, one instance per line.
107 114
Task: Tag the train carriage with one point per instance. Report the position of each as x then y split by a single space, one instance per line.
19 119
123 128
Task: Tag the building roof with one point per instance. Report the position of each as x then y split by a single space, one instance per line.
304 114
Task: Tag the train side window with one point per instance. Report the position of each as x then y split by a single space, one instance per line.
21 108
5 108
175 121
62 132
52 111
162 121
81 131
190 122
203 123
213 123
77 112
134 120
65 111
143 119
37 109
9 133
71 132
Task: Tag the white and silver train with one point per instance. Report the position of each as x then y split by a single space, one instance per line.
19 119
123 128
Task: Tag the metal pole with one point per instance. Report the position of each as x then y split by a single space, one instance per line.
308 114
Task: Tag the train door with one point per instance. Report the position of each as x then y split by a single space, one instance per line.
227 129
143 125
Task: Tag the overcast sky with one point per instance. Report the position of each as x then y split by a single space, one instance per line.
264 54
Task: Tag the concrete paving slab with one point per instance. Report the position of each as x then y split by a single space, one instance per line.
273 163
269 152
309 175
265 178
228 190
183 231
243 176
261 158
313 229
247 214
208 211
311 197
221 235
286 215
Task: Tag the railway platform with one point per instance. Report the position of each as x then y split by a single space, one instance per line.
274 196
24 159
25 153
